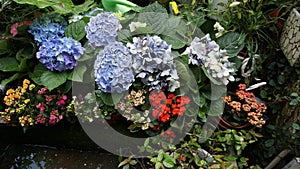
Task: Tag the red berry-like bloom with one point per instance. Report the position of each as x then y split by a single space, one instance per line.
164 108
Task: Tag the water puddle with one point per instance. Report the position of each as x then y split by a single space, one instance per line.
44 157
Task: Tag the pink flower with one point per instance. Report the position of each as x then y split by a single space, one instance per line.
41 106
52 119
13 28
64 97
42 90
41 119
60 102
49 98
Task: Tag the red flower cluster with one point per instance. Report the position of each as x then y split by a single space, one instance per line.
166 107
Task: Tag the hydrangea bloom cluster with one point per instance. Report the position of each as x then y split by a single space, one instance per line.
153 63
208 53
49 26
60 54
113 68
102 29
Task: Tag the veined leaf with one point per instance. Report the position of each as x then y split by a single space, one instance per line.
9 64
52 80
76 30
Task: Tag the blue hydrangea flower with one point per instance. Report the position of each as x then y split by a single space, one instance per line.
60 54
113 68
206 52
49 26
102 29
153 63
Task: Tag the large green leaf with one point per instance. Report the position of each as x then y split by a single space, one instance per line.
154 7
60 6
76 30
87 5
38 3
4 47
155 16
78 74
155 20
9 64
183 71
110 98
233 42
16 76
39 69
52 80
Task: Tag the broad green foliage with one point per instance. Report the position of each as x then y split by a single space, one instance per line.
60 6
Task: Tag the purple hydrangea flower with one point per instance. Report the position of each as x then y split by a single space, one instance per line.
60 54
49 26
153 63
113 68
102 29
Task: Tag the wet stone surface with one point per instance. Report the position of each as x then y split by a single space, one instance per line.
44 157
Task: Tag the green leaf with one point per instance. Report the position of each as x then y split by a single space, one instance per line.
133 162
124 35
78 74
154 7
263 94
9 64
169 162
16 76
60 6
176 42
269 143
110 98
160 156
182 71
86 6
233 42
158 165
146 143
4 47
294 94
156 21
52 80
39 69
38 3
76 30
296 126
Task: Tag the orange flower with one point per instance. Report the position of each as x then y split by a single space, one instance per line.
10 91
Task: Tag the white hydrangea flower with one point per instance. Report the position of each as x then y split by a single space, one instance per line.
206 52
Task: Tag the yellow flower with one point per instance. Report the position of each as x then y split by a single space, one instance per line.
26 82
23 90
26 101
31 86
174 6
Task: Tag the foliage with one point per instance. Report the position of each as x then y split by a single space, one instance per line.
180 60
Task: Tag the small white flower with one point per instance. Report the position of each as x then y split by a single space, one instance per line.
233 4
219 28
134 25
